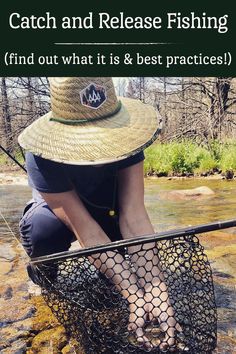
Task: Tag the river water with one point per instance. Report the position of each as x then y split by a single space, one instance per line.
26 323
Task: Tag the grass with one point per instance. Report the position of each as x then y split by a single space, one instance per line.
6 161
187 157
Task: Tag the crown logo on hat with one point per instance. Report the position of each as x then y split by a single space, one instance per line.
93 96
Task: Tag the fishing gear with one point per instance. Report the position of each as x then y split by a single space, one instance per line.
166 235
93 311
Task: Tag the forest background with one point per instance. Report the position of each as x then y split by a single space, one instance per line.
197 116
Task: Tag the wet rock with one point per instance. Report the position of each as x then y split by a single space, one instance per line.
10 335
10 291
8 253
184 194
22 310
222 275
54 339
16 277
73 347
226 319
225 296
36 329
33 289
7 294
68 350
5 268
223 261
17 347
218 238
229 174
14 305
41 319
225 345
44 317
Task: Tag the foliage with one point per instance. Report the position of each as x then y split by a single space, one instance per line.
215 149
187 157
7 161
228 157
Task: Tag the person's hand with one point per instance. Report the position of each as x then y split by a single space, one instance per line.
153 307
137 319
159 309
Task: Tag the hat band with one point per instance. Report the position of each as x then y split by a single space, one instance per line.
80 121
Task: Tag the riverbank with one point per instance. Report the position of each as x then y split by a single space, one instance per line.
20 178
13 178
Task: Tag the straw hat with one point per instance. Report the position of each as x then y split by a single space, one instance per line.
88 125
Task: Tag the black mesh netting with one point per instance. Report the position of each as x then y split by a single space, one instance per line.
93 311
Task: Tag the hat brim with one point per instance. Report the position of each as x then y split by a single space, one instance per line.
133 128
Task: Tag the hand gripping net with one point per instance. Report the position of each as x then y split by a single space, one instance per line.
93 311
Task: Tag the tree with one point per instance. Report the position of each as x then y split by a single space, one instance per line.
198 108
6 117
23 99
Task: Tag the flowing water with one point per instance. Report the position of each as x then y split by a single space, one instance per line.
26 323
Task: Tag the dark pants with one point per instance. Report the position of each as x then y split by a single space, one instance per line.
42 233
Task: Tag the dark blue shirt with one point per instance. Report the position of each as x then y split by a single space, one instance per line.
53 177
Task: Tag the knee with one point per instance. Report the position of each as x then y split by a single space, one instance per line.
43 233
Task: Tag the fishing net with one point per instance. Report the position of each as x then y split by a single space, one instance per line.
93 311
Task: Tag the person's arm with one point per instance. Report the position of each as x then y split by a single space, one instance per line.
68 207
134 221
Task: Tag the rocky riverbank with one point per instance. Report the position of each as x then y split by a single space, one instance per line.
15 178
26 322
20 178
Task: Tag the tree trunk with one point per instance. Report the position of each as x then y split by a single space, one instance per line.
30 100
6 117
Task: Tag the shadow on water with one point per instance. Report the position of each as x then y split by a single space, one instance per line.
26 324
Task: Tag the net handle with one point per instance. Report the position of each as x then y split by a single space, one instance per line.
166 235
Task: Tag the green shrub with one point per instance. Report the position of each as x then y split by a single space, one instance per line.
207 163
186 157
228 158
215 149
183 157
157 160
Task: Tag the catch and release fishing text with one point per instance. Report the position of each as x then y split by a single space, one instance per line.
104 21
